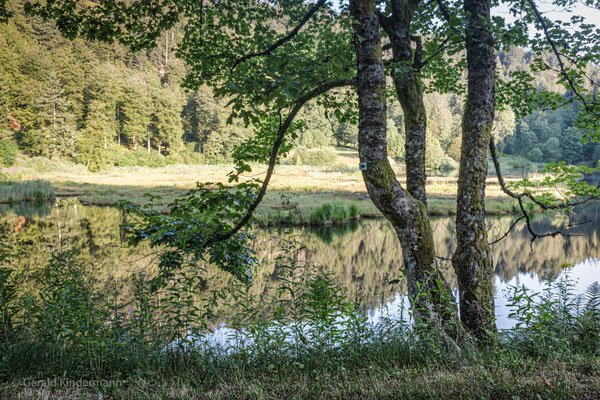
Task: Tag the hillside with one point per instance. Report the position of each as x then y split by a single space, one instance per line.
101 105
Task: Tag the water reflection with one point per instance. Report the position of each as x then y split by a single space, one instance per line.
363 257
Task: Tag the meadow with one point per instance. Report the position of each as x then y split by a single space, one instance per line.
295 193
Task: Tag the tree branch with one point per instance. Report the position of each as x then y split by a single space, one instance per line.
519 197
283 40
283 127
445 12
417 64
563 70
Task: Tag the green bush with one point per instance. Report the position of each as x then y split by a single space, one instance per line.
141 159
185 157
312 157
556 321
173 159
193 157
354 210
448 164
89 151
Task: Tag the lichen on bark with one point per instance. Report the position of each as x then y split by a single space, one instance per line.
407 214
472 258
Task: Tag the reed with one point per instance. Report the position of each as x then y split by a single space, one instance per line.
36 190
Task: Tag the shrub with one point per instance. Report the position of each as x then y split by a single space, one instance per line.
354 210
312 157
173 159
556 321
151 160
193 157
36 166
448 164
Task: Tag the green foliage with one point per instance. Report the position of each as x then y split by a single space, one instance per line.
142 159
435 158
66 312
306 323
135 100
346 134
535 155
396 143
8 303
41 165
334 213
8 152
556 321
188 234
55 121
312 157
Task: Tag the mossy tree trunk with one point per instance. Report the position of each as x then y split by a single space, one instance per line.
407 214
405 72
472 259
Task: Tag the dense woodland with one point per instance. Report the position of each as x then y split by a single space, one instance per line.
101 105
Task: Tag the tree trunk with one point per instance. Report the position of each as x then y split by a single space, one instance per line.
167 48
54 138
407 215
472 259
408 89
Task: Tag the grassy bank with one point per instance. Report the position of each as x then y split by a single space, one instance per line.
68 341
492 378
278 206
286 200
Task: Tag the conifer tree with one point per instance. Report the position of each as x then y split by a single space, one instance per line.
56 133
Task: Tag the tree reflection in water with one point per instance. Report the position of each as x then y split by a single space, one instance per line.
362 256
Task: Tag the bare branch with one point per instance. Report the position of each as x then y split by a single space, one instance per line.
508 231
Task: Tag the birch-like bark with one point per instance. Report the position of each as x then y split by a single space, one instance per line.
472 259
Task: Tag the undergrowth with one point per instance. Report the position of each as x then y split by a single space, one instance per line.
306 330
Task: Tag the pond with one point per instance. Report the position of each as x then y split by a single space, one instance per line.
363 256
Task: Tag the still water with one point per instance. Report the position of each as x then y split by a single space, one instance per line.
362 256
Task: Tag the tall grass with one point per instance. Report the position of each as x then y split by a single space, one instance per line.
337 212
306 340
12 192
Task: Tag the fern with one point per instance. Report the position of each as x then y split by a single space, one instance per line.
592 295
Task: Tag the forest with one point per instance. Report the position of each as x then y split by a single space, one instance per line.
103 105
